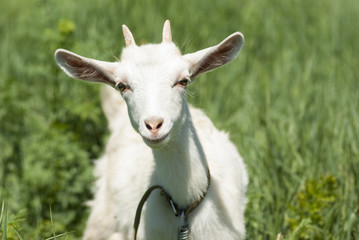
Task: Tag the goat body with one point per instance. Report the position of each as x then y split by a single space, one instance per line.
170 144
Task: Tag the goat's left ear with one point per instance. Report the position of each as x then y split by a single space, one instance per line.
213 57
86 69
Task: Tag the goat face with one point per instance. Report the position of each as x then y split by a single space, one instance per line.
153 79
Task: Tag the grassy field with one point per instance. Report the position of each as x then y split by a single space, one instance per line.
290 102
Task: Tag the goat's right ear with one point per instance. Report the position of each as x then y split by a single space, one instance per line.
86 69
213 57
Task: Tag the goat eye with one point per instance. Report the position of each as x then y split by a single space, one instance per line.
184 82
122 87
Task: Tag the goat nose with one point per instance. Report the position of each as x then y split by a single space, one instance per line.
154 124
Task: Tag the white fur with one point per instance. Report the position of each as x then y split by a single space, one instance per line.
133 162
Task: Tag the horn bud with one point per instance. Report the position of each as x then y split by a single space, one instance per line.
129 40
166 34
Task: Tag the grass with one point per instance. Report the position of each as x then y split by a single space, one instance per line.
290 102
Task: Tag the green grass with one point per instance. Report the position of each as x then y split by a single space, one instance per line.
290 102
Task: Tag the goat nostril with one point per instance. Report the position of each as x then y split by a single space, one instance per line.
148 126
159 125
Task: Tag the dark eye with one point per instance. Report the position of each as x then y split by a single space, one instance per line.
183 82
122 87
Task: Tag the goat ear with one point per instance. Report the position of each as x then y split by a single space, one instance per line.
213 57
86 69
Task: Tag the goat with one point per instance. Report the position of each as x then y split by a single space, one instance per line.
176 145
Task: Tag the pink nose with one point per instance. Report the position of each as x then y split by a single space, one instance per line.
154 124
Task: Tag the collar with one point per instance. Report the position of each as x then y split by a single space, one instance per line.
178 212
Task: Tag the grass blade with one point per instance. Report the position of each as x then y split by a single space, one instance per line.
59 235
18 233
52 224
4 219
2 212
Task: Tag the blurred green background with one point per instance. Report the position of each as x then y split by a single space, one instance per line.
290 102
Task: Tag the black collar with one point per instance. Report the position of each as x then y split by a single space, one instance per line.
178 211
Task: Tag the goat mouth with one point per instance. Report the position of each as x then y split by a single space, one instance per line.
156 140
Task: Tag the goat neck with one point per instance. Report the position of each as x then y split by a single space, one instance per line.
181 165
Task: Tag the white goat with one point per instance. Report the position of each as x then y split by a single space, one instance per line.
176 146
